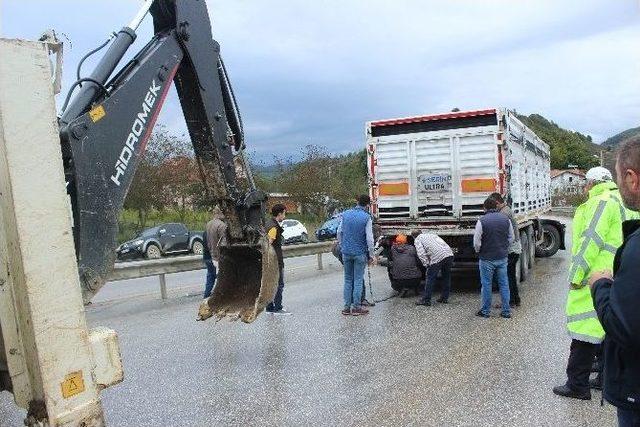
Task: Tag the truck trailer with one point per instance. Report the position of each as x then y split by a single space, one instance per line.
434 172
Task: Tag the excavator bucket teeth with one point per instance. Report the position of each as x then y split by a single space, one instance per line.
247 281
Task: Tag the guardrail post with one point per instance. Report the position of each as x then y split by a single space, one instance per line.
163 287
320 267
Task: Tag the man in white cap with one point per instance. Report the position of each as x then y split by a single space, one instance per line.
597 234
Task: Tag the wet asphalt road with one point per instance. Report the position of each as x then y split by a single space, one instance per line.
400 365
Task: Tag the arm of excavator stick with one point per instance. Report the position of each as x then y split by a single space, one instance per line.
105 129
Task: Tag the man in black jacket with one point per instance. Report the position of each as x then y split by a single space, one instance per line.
616 299
274 231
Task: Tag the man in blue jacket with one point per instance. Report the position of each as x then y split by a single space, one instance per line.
616 299
355 235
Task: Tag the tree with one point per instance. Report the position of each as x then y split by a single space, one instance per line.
161 175
320 182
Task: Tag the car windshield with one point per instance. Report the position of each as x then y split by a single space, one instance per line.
288 223
149 232
333 222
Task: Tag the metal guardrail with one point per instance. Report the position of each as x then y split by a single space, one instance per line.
164 266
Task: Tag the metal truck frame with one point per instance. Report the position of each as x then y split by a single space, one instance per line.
433 173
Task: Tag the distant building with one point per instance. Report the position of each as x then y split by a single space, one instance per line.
567 181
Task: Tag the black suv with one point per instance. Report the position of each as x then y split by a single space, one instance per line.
164 239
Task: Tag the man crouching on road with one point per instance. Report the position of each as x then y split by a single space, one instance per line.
597 234
617 299
355 235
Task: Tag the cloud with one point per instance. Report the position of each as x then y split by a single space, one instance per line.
315 72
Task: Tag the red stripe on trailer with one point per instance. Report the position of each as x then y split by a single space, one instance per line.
418 119
501 169
373 188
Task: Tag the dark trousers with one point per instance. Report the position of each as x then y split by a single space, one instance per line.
579 365
400 285
211 278
432 275
627 418
276 304
512 261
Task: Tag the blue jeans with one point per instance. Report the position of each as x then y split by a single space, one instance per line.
432 275
276 304
354 266
212 273
627 418
488 271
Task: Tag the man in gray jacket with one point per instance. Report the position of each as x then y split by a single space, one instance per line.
215 234
515 249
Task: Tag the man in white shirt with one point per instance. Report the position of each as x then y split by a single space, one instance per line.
436 256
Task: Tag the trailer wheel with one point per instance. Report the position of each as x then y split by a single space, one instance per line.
531 235
550 241
524 256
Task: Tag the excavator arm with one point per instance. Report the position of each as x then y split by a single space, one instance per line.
105 128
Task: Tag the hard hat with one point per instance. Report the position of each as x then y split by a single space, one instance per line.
401 239
598 174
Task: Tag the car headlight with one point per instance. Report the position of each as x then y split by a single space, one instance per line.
138 242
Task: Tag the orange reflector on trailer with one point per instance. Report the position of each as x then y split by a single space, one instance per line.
393 189
478 185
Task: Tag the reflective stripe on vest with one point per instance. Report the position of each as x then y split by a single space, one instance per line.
590 234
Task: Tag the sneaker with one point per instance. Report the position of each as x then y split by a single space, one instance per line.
481 314
281 312
505 315
359 311
443 300
565 391
423 302
346 311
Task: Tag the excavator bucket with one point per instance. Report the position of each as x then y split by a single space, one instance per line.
247 281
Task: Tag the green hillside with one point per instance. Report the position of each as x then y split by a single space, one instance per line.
567 147
617 139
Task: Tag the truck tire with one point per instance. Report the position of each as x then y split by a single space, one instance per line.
532 246
152 251
518 267
197 247
550 241
524 256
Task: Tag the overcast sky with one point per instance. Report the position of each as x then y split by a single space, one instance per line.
315 72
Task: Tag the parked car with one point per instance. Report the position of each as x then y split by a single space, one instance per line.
329 230
294 232
164 239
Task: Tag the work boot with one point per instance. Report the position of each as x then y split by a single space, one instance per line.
423 302
443 300
596 383
359 311
565 391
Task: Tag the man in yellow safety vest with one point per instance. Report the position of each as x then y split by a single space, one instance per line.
597 234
